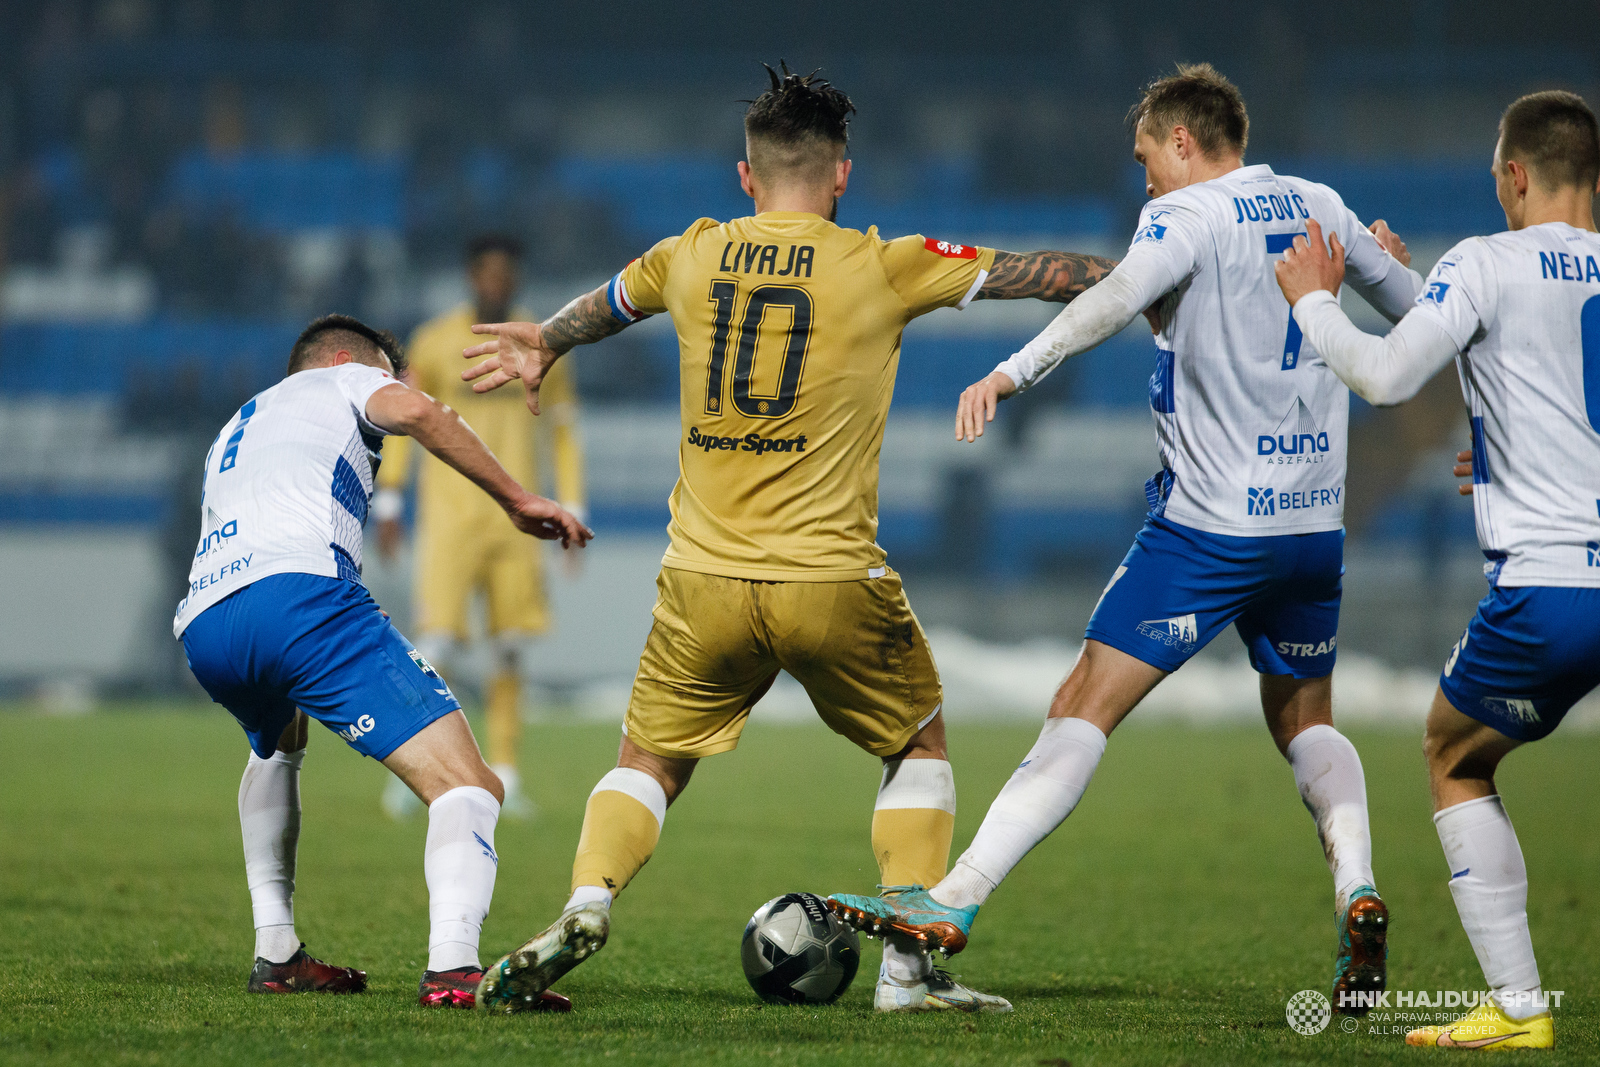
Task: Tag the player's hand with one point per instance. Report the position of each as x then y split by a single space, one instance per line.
547 520
978 403
516 352
1307 266
1391 242
390 534
1463 469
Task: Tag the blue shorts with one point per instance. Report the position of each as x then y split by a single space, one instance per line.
1528 655
320 644
1178 587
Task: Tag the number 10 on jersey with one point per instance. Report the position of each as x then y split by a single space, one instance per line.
797 340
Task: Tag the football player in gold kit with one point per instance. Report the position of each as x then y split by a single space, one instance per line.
789 333
462 547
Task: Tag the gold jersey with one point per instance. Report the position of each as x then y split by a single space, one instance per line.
789 339
447 503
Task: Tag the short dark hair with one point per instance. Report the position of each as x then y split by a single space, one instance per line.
1554 135
1199 99
484 243
788 124
333 332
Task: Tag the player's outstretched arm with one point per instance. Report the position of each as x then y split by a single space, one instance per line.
1054 276
1103 300
434 426
527 350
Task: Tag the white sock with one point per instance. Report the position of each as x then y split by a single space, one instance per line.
1038 798
1490 884
269 821
1328 771
905 961
588 894
460 864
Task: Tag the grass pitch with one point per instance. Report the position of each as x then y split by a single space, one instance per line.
1168 922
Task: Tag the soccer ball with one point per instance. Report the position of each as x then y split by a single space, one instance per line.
796 952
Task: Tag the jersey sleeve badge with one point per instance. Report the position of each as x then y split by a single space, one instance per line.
950 250
1153 231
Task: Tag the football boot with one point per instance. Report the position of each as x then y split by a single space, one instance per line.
458 987
514 984
907 910
939 991
1489 1028
1362 963
301 973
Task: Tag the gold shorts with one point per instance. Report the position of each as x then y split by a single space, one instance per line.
718 643
508 570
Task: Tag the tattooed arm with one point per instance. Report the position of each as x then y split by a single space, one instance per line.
583 322
1054 276
1115 299
527 350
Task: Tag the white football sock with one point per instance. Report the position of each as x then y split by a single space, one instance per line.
460 865
588 894
906 961
269 821
1038 798
1327 770
1490 884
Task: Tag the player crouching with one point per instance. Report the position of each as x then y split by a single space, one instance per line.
277 621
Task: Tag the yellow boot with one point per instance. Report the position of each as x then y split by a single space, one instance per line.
1487 1027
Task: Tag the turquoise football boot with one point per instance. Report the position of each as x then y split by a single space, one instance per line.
907 910
1362 966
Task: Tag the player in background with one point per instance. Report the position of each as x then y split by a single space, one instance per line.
1519 312
277 627
464 543
1245 523
789 330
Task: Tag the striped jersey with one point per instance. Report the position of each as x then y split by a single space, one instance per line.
1524 309
287 485
1251 424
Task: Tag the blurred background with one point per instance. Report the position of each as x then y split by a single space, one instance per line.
184 183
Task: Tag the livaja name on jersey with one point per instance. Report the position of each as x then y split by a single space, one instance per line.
750 442
764 258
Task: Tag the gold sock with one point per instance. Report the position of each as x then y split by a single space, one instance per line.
912 845
504 719
619 836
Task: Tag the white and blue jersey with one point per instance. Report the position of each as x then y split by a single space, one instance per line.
287 485
1251 424
276 617
1523 308
1247 513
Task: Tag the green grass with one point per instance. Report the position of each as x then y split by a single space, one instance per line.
1167 922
